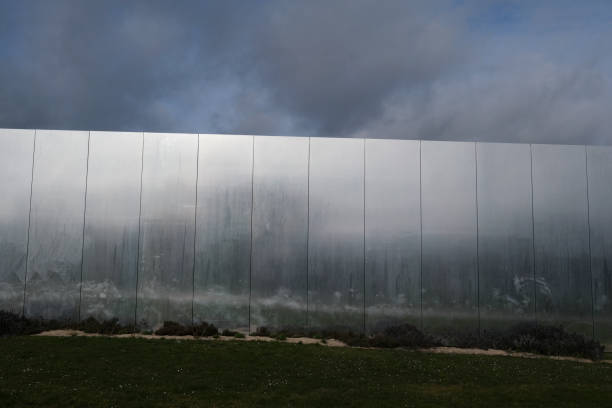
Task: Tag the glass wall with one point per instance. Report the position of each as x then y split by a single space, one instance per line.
600 200
563 279
111 226
392 233
449 236
506 294
56 226
16 148
223 236
280 232
165 274
336 241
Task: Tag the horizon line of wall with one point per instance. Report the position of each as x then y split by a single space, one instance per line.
247 231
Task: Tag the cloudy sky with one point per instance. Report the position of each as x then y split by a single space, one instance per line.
454 70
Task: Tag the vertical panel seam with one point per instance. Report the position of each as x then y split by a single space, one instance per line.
421 230
586 172
251 222
25 277
83 232
477 237
195 230
533 249
364 235
308 237
142 146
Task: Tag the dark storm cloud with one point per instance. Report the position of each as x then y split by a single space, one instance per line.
435 69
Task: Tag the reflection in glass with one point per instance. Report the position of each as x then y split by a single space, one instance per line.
336 274
280 223
600 200
111 226
223 235
16 148
165 275
563 280
505 235
392 228
56 229
449 236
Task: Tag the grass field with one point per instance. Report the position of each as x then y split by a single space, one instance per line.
105 372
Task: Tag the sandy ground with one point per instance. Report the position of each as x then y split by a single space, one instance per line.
303 340
329 343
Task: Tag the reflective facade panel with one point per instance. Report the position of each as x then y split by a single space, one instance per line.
563 280
56 230
16 148
600 200
336 257
506 294
165 274
392 233
111 226
449 236
223 236
280 228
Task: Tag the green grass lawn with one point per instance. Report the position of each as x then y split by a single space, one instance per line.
105 372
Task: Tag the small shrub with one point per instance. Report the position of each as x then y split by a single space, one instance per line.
404 335
12 324
173 329
262 332
239 335
228 333
281 337
205 330
109 327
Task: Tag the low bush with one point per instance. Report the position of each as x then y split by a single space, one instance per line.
173 329
262 332
552 340
525 337
112 326
12 324
405 335
205 330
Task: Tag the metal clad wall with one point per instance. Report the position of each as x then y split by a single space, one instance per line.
563 279
336 274
56 226
16 148
449 236
506 294
223 235
111 226
392 233
600 200
280 232
165 275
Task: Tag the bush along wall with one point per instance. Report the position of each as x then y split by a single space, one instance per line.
525 337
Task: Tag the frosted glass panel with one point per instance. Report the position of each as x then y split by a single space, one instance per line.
505 235
449 237
563 281
280 223
223 239
111 226
392 225
165 276
600 199
336 274
56 233
16 147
